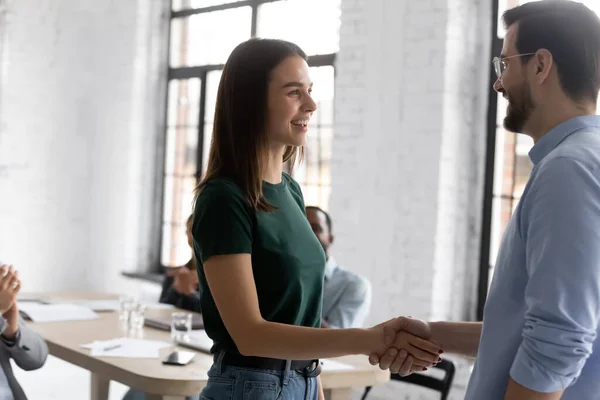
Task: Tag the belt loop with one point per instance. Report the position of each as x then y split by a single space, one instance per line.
219 361
287 372
314 372
309 390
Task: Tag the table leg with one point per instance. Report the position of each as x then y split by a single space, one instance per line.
337 394
163 397
99 389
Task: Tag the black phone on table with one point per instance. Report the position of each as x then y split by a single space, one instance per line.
179 358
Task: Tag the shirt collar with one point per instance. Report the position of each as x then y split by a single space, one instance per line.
330 266
559 133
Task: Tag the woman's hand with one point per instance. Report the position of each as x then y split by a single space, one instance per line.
321 393
411 353
401 362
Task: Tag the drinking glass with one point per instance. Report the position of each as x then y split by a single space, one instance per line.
181 325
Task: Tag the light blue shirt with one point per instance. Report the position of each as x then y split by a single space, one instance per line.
346 297
541 316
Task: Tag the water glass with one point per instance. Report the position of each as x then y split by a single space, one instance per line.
136 317
126 304
181 325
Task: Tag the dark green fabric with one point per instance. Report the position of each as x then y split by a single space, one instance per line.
288 262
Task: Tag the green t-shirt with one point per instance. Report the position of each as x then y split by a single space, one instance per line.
288 262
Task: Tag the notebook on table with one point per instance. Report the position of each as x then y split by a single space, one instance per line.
164 323
197 340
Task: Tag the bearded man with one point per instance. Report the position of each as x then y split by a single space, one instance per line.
538 336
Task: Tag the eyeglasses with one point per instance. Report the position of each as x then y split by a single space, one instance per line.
500 64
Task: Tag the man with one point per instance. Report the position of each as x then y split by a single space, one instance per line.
539 330
346 295
17 341
180 285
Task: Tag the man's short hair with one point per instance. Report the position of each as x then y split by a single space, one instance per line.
571 33
327 217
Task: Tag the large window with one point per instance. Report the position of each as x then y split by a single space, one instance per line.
508 164
203 34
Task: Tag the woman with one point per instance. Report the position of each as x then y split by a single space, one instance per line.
260 266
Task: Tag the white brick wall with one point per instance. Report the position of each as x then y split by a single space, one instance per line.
80 87
408 157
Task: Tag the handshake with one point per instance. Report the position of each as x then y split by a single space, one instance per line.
405 346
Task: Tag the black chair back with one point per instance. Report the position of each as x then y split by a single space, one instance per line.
441 385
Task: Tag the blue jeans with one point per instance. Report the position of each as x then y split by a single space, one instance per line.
138 395
233 383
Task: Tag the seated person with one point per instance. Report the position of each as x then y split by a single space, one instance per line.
179 288
28 350
346 295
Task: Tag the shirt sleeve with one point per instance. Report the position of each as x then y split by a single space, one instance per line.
353 305
561 226
296 192
186 302
29 350
222 221
166 287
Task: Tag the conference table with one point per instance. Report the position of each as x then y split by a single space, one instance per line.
163 382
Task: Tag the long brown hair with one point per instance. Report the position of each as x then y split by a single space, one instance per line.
239 145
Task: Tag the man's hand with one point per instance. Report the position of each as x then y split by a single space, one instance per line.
400 362
9 287
415 326
185 281
408 352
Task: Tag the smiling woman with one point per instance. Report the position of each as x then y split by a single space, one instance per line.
290 104
203 34
265 101
260 266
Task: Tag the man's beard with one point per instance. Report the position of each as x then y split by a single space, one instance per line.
518 112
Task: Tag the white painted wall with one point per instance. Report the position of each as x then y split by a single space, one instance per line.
80 88
408 157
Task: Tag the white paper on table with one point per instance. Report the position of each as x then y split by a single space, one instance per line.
332 365
56 312
97 305
111 305
158 306
126 348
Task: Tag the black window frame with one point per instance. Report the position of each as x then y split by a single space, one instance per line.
490 159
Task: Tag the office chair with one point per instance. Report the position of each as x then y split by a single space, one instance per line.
441 385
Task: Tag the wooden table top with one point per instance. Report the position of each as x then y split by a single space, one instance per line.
65 339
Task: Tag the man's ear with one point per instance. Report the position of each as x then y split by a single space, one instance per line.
331 237
543 64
